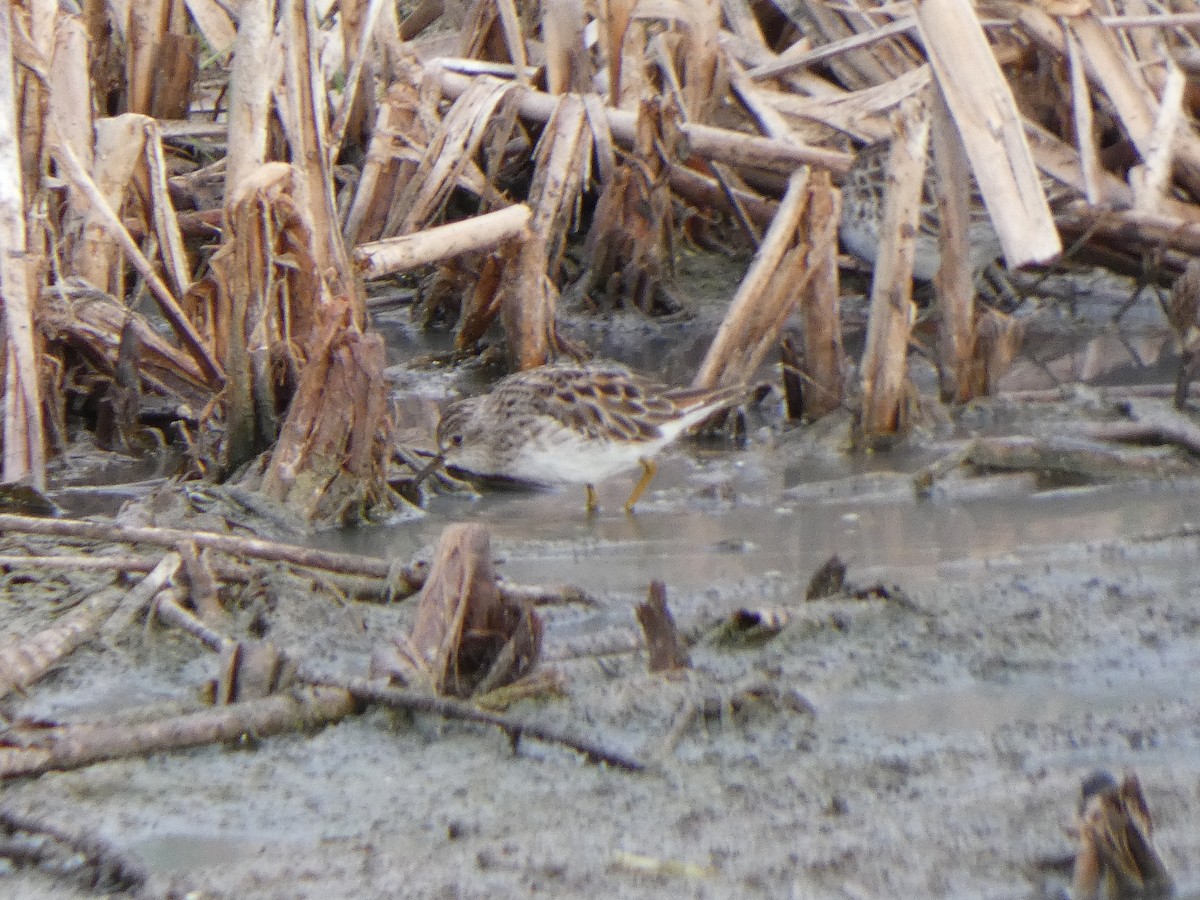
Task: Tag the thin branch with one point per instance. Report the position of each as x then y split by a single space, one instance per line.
414 701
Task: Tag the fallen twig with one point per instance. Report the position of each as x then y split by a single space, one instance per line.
403 580
134 602
25 661
168 611
117 561
544 594
716 144
255 548
71 747
415 701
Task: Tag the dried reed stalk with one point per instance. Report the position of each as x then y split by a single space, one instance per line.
304 115
719 144
568 63
147 26
168 303
824 365
24 455
329 463
451 149
989 124
527 300
71 747
955 277
775 282
884 367
432 245
409 578
25 660
214 22
399 126
119 144
630 245
466 637
251 77
664 646
90 323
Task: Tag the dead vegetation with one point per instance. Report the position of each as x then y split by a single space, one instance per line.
1116 856
202 198
473 636
196 199
467 638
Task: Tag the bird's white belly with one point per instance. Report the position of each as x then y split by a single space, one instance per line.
566 458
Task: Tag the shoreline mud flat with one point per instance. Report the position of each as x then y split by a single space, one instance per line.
930 739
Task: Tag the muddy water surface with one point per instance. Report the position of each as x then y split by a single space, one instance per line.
927 745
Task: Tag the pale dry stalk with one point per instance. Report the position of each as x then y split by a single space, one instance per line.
466 638
389 256
768 292
665 648
266 297
254 70
561 166
90 322
391 162
989 123
328 464
71 747
304 114
24 454
884 366
955 278
706 141
148 22
568 67
824 357
25 660
180 323
95 254
449 153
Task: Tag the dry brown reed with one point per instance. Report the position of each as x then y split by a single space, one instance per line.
247 168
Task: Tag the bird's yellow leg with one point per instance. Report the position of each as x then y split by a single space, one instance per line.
648 470
590 501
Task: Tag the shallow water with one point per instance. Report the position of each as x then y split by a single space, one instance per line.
765 521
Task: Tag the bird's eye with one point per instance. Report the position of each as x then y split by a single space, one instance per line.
456 440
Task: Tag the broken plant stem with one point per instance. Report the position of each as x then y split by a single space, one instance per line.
171 612
134 603
415 701
180 323
25 661
405 579
344 563
71 747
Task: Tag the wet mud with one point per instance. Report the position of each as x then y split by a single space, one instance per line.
927 739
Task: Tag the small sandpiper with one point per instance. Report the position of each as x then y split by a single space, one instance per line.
862 214
573 424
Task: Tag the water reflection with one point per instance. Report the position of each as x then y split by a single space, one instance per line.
729 516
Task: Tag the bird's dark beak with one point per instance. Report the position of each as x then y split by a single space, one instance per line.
432 466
